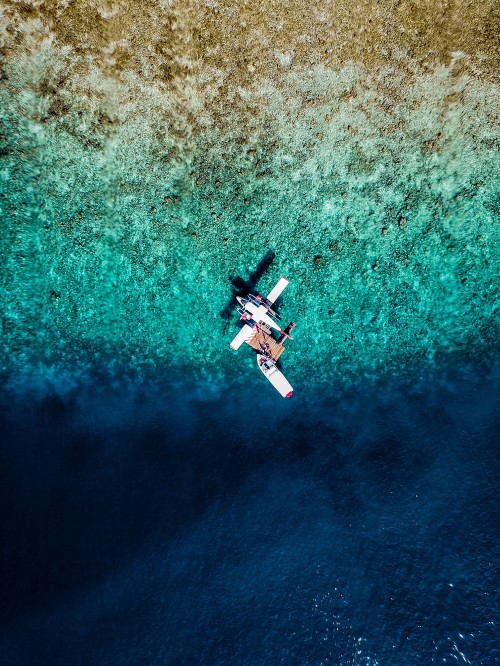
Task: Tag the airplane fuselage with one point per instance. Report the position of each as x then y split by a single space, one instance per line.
259 313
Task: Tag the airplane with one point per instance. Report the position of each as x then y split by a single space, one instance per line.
258 315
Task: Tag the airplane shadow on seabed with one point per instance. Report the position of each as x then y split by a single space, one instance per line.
242 287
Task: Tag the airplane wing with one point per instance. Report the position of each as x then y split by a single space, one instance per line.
277 290
243 335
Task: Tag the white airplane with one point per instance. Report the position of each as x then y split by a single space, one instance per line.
257 314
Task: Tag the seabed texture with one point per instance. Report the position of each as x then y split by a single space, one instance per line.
152 156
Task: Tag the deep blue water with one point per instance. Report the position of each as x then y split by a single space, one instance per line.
164 526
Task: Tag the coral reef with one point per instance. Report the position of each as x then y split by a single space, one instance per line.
151 151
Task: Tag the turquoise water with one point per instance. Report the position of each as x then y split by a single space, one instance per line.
123 222
162 504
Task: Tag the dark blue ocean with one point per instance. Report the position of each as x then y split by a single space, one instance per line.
157 523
